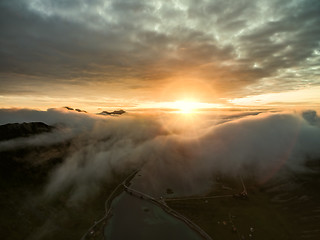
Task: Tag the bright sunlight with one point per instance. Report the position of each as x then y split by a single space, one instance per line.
185 106
182 106
188 107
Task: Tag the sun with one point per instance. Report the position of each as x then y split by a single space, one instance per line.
185 106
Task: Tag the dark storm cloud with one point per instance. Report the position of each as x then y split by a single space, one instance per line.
231 44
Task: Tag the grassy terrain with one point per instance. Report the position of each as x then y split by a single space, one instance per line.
283 208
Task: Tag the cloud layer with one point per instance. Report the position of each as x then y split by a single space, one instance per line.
184 155
237 47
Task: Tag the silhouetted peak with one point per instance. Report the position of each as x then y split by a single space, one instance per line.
116 112
15 130
75 109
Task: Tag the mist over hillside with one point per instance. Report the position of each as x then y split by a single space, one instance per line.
72 164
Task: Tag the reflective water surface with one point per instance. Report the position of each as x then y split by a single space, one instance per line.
134 218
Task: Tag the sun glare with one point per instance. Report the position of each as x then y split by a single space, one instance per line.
182 106
186 107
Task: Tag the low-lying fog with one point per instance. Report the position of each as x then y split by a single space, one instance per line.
180 151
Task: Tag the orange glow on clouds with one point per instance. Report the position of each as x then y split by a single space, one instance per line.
307 95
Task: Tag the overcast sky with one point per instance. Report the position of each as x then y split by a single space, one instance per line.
124 52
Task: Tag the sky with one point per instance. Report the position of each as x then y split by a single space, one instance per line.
103 54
